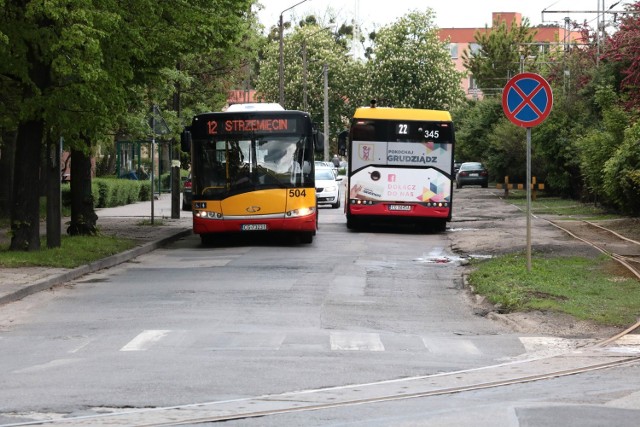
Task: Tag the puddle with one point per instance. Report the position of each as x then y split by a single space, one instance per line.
448 259
481 256
438 259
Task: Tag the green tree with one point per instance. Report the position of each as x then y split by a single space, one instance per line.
499 53
86 69
599 144
411 67
316 46
554 142
475 122
622 173
507 153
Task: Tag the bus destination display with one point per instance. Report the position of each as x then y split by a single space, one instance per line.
240 126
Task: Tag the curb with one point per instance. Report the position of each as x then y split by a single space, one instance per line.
100 264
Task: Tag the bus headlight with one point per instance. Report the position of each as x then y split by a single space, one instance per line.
208 215
296 213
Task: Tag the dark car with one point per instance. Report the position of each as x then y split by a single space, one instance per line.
472 173
456 167
186 194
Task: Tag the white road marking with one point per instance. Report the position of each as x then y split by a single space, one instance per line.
145 339
356 341
450 345
81 346
49 365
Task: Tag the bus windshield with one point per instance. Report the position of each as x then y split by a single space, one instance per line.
230 165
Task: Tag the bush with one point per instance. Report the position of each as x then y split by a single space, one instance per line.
622 174
110 192
144 194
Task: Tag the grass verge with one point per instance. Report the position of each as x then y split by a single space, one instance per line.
585 288
545 205
73 252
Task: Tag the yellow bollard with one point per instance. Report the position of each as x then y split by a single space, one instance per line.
533 184
506 186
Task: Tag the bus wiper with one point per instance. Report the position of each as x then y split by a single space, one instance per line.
269 177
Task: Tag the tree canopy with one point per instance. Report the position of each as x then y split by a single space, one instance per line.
499 53
87 69
411 67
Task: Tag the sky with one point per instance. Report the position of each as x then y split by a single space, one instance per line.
373 14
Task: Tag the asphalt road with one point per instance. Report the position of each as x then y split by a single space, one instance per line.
188 324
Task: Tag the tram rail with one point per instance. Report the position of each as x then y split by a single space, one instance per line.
621 249
602 355
536 369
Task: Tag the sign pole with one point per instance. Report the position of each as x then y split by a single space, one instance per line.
527 100
528 199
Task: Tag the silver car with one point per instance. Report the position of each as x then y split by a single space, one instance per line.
327 187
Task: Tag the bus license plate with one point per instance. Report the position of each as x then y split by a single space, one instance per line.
254 227
399 207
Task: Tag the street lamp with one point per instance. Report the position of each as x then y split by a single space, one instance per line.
304 65
281 64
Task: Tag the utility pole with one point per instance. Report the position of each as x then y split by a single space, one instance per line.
304 75
305 66
325 72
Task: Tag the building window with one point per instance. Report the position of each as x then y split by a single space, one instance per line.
472 82
453 50
545 48
474 49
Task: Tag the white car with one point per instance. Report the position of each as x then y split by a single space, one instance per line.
330 165
327 187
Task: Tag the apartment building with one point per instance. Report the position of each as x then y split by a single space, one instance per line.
462 39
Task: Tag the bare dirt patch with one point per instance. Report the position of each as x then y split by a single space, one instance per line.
486 225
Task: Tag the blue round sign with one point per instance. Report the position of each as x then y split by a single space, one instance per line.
527 99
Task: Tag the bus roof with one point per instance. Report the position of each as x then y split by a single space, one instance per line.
385 113
255 106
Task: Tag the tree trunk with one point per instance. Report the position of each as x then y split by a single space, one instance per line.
25 208
54 214
7 156
83 216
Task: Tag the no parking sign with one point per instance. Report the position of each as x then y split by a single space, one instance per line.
527 99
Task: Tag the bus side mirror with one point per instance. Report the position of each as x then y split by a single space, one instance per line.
185 141
318 142
342 142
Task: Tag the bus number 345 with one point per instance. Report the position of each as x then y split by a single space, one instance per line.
297 193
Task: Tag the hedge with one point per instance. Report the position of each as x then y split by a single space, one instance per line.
110 192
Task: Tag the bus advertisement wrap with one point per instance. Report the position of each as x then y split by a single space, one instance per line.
400 185
400 167
426 154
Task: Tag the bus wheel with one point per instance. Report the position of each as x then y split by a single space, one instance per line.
352 224
440 225
306 237
206 239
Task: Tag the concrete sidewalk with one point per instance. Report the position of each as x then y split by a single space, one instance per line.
121 221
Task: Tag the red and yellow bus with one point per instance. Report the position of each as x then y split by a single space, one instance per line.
252 171
400 167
